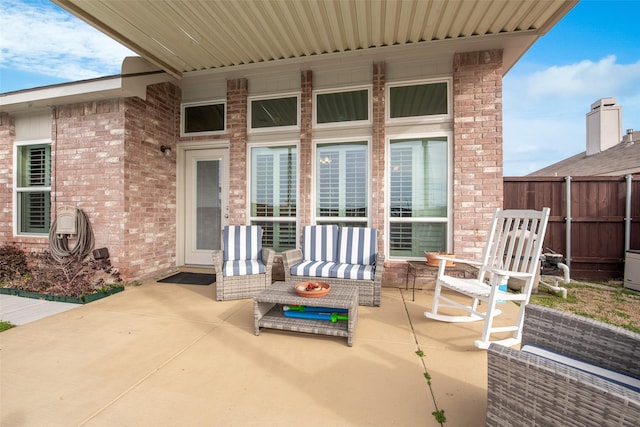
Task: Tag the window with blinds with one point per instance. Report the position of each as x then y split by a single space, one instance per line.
274 195
418 196
342 189
34 188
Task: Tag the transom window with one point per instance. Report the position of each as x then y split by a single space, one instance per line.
418 196
274 195
342 183
203 118
274 113
340 107
425 100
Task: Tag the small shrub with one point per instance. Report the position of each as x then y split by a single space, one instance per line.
71 277
13 263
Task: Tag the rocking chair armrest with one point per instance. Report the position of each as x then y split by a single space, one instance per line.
460 260
513 274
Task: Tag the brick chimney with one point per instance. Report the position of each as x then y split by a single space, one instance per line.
604 125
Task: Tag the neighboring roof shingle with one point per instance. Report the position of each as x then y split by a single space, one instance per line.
621 159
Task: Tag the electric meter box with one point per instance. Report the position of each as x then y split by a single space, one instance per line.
66 221
632 270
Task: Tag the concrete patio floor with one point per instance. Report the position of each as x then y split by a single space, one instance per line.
170 355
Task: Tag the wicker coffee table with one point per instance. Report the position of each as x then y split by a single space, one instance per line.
268 312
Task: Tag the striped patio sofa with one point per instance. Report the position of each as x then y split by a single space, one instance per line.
243 267
338 255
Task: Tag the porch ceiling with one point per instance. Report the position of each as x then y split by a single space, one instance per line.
184 36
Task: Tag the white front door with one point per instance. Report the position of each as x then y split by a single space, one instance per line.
206 203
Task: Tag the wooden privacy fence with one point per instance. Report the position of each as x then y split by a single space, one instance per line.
594 220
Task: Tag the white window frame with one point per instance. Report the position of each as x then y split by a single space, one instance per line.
273 129
314 198
448 220
350 123
17 190
419 119
183 117
249 178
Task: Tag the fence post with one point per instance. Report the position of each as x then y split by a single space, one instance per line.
627 214
567 219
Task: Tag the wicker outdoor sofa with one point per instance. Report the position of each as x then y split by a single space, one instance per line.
338 255
526 389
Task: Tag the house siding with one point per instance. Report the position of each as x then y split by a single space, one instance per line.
109 164
148 211
7 136
106 160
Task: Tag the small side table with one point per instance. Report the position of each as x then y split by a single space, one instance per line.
421 269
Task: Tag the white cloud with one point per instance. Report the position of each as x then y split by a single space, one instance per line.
42 39
545 111
586 78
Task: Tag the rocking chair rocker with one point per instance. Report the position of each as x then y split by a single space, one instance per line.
513 249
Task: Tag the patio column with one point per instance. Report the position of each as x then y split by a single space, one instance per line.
378 154
306 148
237 129
477 147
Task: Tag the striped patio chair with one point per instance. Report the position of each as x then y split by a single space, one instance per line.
356 253
319 244
243 267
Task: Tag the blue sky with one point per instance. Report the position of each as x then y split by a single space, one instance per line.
592 53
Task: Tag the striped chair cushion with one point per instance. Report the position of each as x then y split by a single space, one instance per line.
319 242
354 271
242 242
357 245
243 268
313 268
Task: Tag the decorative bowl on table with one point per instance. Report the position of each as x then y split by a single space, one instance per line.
312 289
433 258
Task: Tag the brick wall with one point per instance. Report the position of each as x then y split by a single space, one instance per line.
7 136
395 272
148 225
305 154
477 147
106 160
378 153
237 132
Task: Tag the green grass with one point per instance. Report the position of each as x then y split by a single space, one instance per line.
5 325
604 302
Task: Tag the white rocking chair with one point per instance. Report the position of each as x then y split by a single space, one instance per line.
513 250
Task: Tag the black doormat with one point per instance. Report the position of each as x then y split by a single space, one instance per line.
190 279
